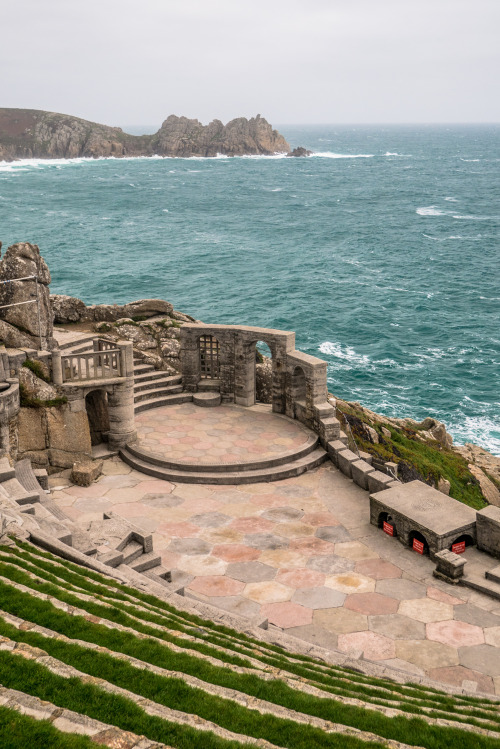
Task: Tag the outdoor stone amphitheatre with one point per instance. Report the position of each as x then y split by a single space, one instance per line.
144 489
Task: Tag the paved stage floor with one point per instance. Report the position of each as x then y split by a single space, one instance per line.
300 552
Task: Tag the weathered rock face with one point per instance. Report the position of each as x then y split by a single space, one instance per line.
264 380
28 133
300 152
69 309
31 317
53 438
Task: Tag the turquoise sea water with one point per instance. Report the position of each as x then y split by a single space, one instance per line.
380 252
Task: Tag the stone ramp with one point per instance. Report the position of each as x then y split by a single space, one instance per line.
269 658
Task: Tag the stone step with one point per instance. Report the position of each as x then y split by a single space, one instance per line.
209 386
309 446
6 470
143 368
207 399
164 400
77 342
146 562
132 551
247 476
145 395
482 584
493 574
13 489
156 374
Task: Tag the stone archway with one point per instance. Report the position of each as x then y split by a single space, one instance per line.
263 373
96 405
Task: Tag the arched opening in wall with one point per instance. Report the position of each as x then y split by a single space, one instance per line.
209 350
421 545
461 543
298 384
263 373
96 405
386 521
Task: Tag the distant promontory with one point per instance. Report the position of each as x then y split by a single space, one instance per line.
34 133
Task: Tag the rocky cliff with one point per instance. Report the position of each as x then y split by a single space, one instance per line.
32 133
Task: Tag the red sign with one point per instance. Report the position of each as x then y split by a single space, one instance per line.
458 548
418 546
388 528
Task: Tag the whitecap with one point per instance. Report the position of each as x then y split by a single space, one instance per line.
330 155
451 200
344 352
430 211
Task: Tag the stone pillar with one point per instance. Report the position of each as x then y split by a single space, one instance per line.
127 358
57 374
121 414
244 373
190 359
279 379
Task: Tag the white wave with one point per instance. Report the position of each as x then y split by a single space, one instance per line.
430 211
470 160
330 155
343 352
452 200
480 430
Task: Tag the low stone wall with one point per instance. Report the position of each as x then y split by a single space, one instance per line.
488 530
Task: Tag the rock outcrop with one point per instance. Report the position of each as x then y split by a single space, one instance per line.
24 281
31 133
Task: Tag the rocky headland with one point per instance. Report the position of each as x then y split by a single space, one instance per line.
33 133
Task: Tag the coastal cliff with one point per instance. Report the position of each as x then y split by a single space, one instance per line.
32 133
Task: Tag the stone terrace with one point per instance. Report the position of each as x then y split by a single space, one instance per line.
299 552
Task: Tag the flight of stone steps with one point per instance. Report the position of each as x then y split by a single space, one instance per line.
144 667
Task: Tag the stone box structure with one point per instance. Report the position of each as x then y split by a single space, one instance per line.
488 530
418 511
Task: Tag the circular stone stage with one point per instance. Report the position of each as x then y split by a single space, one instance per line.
225 444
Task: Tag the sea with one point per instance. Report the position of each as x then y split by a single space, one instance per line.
380 251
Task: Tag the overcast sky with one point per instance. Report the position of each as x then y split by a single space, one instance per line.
294 61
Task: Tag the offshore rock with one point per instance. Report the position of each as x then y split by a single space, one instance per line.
33 133
33 316
300 151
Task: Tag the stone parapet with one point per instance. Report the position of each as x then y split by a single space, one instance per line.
488 530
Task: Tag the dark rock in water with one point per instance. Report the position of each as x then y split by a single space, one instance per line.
300 151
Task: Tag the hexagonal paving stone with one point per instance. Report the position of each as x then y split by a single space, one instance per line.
355 550
235 553
471 614
397 627
318 598
492 636
439 595
266 541
331 564
350 582
340 620
456 634
318 636
333 533
287 614
400 588
426 654
312 546
283 558
161 500
483 658
252 525
371 603
292 490
267 592
457 675
189 546
320 518
300 578
426 610
378 569
374 647
202 565
216 586
210 520
236 605
251 572
282 514
295 530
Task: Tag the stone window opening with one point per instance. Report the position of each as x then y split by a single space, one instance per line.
263 373
209 349
298 384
